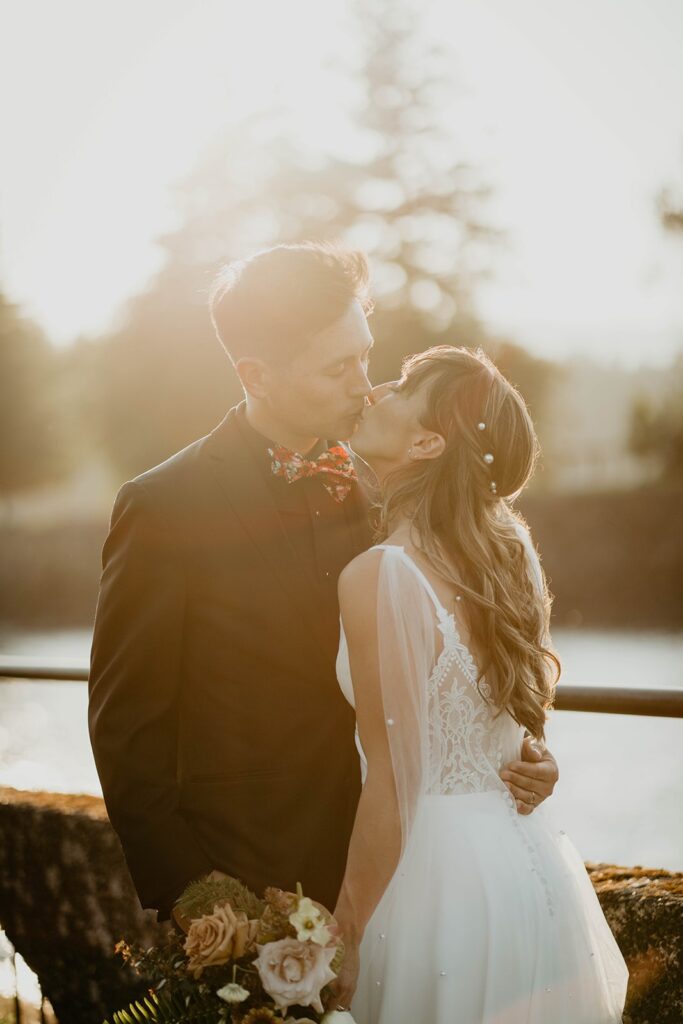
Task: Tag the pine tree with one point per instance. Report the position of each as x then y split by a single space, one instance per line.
31 420
412 202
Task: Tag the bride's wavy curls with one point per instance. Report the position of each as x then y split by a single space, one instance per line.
459 505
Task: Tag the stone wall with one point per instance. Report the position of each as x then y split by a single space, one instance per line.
644 907
66 898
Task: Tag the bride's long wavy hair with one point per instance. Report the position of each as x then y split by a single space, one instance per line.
459 505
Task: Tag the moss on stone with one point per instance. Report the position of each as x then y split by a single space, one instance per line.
644 907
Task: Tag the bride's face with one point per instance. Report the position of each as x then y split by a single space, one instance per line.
391 433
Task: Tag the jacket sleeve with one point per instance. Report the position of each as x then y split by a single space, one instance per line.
135 677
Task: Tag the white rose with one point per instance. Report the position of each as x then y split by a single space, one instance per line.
294 972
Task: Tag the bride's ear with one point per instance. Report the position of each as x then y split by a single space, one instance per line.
427 446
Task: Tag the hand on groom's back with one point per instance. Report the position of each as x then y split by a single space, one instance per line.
533 779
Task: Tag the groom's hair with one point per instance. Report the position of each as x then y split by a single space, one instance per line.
271 304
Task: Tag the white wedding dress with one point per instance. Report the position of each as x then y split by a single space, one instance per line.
490 917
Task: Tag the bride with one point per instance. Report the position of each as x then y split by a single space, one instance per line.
453 906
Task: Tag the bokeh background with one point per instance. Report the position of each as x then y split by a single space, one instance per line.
514 171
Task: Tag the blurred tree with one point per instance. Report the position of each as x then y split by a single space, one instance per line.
670 208
32 451
656 430
406 196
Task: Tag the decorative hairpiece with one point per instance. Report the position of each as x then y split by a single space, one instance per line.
488 459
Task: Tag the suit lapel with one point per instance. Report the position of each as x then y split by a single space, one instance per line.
359 514
247 492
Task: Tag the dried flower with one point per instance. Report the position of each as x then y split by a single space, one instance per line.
282 902
262 1015
232 993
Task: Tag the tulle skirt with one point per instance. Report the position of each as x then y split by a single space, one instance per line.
491 918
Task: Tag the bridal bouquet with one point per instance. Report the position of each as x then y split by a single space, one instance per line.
240 959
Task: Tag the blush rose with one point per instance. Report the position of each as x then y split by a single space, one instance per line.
294 972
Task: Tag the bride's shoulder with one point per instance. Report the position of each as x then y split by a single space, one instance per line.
359 580
365 566
361 572
357 589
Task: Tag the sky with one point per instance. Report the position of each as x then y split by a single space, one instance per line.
573 110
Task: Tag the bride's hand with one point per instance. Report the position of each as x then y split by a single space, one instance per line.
533 779
342 990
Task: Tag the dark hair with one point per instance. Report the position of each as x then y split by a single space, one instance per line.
272 303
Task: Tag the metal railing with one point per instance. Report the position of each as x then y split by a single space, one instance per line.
17 667
609 700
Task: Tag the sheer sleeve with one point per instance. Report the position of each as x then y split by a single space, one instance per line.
390 626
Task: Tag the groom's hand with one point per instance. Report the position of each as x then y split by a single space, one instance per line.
532 779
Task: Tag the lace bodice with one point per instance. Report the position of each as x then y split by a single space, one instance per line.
469 738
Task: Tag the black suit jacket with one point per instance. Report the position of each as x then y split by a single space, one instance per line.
221 737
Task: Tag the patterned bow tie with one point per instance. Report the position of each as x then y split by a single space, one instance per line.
334 466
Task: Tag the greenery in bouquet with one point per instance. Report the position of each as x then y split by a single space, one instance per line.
239 959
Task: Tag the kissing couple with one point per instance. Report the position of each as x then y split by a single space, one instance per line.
280 694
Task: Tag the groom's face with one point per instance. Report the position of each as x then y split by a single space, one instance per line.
322 391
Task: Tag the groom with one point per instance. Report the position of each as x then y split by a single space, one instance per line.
220 734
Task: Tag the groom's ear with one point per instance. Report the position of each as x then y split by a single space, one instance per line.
254 376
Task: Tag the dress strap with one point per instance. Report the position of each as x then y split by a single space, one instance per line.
442 613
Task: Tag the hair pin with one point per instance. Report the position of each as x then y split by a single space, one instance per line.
481 426
488 458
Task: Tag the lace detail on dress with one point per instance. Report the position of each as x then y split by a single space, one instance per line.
465 742
467 733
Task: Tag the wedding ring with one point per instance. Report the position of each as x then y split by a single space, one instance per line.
533 797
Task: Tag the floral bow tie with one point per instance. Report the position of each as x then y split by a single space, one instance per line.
334 466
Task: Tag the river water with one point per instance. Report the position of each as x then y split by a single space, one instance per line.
620 794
